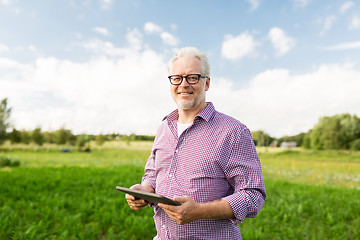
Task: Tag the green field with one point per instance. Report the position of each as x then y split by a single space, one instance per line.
55 195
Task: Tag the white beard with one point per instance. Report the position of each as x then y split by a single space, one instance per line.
190 104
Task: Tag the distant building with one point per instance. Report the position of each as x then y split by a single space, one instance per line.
288 145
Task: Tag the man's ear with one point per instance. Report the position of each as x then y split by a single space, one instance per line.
207 84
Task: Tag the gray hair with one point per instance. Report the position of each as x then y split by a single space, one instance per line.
191 52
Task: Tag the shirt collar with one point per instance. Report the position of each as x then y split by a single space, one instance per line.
205 114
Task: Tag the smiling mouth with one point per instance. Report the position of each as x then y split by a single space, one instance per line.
184 93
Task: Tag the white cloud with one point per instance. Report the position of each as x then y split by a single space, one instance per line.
106 48
129 93
169 39
105 4
166 37
5 2
282 103
124 94
151 27
32 48
102 31
3 48
346 6
327 24
120 89
344 46
301 3
281 42
6 63
355 23
103 48
135 39
254 4
236 47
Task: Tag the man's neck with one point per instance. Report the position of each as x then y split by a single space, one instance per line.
187 116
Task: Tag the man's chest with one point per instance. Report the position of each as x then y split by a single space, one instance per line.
193 164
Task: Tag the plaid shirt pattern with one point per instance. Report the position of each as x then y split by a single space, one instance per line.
214 158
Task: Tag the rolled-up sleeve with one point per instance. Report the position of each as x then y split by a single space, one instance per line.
243 172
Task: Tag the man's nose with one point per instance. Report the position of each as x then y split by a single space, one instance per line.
184 82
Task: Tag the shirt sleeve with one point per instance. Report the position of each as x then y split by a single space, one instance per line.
243 172
149 177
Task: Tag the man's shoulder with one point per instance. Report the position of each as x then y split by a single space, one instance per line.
229 121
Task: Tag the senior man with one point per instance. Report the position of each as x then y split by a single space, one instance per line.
201 158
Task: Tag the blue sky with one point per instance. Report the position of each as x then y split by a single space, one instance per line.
100 66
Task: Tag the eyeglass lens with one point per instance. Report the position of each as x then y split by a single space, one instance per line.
191 79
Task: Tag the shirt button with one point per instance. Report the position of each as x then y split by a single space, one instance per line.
163 226
176 150
170 175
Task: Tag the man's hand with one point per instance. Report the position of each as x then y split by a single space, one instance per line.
185 213
137 204
189 210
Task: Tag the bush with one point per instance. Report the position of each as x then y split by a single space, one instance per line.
6 161
355 145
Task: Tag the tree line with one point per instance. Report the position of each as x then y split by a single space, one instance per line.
65 136
61 136
341 131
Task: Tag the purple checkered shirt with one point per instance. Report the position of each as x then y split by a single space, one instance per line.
215 158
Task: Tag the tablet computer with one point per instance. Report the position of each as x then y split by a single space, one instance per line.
150 197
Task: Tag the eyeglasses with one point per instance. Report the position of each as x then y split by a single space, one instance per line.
191 78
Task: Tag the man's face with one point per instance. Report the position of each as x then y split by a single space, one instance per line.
189 96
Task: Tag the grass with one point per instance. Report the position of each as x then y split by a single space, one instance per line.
56 195
301 211
331 168
82 203
96 158
70 203
108 155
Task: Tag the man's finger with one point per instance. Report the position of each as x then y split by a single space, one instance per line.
167 206
181 199
129 197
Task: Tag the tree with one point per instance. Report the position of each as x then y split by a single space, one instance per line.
5 112
261 138
307 141
25 137
355 145
315 138
62 136
335 132
72 139
100 139
350 129
15 136
332 137
81 140
49 137
38 137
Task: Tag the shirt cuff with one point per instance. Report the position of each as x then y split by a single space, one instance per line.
238 205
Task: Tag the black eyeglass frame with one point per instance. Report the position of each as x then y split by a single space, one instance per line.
186 77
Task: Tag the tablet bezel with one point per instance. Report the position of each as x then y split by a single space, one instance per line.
150 197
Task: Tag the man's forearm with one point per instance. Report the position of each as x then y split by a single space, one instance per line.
219 209
189 210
